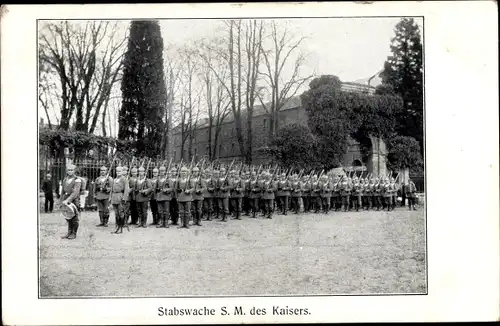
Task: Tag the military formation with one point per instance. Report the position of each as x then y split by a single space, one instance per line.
182 195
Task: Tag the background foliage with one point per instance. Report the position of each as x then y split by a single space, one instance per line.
143 89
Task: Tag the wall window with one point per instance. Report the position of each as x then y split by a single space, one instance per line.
207 150
265 123
195 151
175 154
232 148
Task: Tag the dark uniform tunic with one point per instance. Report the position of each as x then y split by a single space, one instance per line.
152 201
119 194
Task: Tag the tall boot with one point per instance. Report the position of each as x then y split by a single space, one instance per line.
106 219
224 218
198 218
74 230
161 223
70 228
101 218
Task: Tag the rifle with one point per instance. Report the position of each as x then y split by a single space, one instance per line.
228 170
300 174
169 165
272 178
190 173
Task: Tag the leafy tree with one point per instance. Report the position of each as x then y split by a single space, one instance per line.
384 89
404 73
143 89
294 146
404 152
327 118
335 115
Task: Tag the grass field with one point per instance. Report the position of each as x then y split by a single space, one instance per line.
339 253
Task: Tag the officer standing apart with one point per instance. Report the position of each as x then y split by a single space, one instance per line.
71 195
119 195
49 196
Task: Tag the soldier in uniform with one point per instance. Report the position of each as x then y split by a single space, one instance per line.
368 193
325 192
132 205
119 194
163 195
197 196
345 193
306 192
295 193
246 193
184 197
174 205
336 197
255 186
395 190
152 202
283 193
410 190
387 194
356 193
143 190
238 192
102 190
223 195
71 195
269 188
315 199
376 193
208 186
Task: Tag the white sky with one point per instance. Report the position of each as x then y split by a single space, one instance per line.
350 48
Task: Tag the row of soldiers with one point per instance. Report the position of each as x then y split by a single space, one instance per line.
182 193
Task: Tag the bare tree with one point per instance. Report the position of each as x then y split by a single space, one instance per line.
86 58
172 70
284 52
189 108
214 94
253 50
239 50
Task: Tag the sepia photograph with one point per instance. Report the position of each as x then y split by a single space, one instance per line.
231 157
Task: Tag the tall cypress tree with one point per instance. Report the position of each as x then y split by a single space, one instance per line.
143 89
403 72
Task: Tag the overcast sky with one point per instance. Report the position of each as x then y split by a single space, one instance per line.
351 48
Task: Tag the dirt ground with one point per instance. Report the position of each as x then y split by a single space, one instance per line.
339 253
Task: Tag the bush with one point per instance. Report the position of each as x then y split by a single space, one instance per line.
404 152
